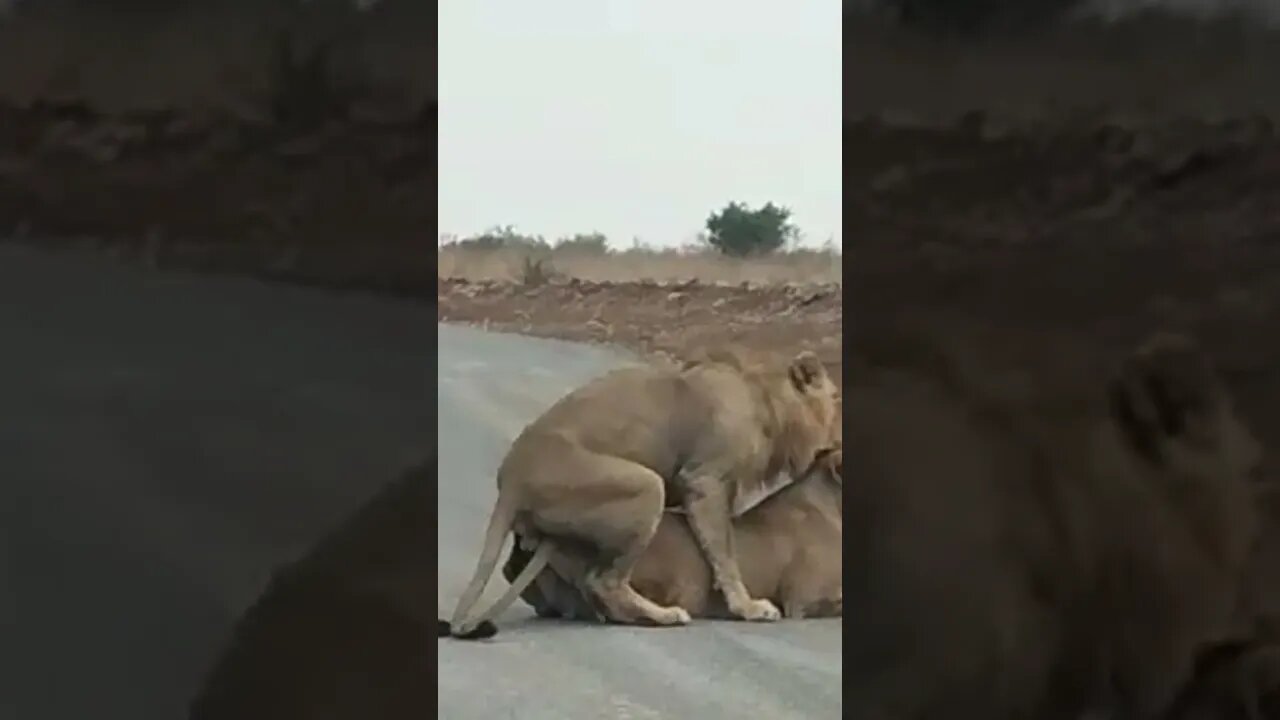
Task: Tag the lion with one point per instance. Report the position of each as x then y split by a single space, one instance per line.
788 546
588 480
1016 553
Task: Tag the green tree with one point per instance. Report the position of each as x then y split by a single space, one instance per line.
739 231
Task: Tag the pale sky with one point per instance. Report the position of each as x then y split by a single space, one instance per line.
637 118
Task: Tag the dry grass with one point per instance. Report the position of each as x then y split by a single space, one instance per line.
803 266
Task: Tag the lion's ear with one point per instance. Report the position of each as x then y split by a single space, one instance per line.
1162 389
807 371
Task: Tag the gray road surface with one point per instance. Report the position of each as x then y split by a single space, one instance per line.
489 387
165 441
168 439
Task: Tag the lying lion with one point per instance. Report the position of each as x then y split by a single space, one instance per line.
788 545
1020 554
587 481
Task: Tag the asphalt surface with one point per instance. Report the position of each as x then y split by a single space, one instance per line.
489 387
166 440
169 439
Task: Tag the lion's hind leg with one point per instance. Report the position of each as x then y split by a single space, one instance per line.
610 516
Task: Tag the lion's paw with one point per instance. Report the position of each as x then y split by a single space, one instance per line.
759 611
675 616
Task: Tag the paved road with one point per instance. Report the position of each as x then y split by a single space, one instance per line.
166 440
169 439
489 387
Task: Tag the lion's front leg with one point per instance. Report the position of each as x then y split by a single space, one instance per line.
708 506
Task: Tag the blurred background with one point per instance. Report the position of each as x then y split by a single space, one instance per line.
1093 169
279 136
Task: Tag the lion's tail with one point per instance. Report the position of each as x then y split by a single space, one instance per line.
504 513
484 629
482 626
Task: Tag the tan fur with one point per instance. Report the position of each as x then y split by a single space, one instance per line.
1038 552
789 548
594 472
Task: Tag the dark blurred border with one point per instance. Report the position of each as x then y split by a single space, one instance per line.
285 140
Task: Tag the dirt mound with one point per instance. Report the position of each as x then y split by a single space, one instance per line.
663 319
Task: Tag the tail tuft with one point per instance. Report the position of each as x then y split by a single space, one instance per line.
483 631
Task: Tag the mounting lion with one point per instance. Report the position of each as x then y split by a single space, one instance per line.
586 483
788 546
1038 551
